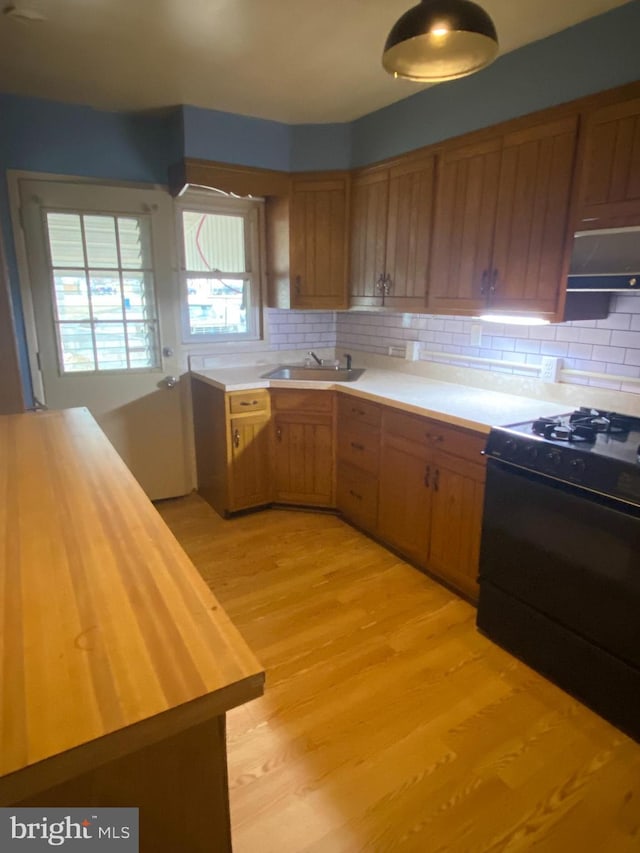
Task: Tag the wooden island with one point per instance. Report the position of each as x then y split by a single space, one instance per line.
118 663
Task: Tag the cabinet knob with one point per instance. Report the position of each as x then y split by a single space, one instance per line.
236 438
633 282
279 434
248 403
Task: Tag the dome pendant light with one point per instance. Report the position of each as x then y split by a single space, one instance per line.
440 40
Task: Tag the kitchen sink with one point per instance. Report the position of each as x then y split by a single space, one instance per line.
319 374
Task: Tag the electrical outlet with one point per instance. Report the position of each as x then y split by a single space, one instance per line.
412 352
549 368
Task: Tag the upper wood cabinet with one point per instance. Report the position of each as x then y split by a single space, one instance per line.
307 243
501 222
390 236
609 178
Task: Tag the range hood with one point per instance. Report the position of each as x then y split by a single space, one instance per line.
606 260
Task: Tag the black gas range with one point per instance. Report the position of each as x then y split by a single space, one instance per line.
589 448
560 554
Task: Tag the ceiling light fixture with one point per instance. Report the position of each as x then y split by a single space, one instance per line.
440 40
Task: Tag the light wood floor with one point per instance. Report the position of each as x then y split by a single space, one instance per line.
388 722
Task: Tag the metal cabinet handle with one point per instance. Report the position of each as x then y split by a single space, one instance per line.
483 282
427 476
355 494
357 411
434 436
357 446
494 279
247 403
436 480
279 434
387 284
380 282
236 438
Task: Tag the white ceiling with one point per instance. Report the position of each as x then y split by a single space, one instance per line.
294 61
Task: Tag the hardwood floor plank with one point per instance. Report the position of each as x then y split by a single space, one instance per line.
388 722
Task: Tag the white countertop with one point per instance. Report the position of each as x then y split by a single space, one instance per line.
461 405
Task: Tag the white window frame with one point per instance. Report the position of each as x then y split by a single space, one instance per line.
252 210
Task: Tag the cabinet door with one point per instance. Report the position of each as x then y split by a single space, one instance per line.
210 437
531 234
456 521
409 223
369 200
303 459
249 481
464 219
404 502
610 175
318 243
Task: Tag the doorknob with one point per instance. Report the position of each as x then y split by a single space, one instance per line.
169 381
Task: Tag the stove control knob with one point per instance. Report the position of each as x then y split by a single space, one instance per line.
509 447
577 467
531 453
553 457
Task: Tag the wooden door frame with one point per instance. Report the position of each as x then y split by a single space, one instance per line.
11 388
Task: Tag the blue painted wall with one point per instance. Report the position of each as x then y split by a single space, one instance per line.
597 54
214 135
39 135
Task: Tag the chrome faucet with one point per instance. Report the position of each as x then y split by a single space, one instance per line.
315 357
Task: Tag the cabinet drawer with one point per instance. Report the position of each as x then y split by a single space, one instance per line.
302 400
357 495
358 410
434 434
248 401
359 445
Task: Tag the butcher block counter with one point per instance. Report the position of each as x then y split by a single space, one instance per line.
118 663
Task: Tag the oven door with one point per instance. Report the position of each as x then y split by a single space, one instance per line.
572 556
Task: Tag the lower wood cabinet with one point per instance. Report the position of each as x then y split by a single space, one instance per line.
414 483
358 460
303 447
232 445
431 496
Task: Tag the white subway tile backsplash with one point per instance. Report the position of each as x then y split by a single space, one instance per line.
626 339
595 336
603 346
580 350
613 355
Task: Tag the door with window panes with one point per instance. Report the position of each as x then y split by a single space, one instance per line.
106 310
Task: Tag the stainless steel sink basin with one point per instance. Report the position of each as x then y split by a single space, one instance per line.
319 374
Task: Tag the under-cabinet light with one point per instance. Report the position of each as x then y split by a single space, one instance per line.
513 319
